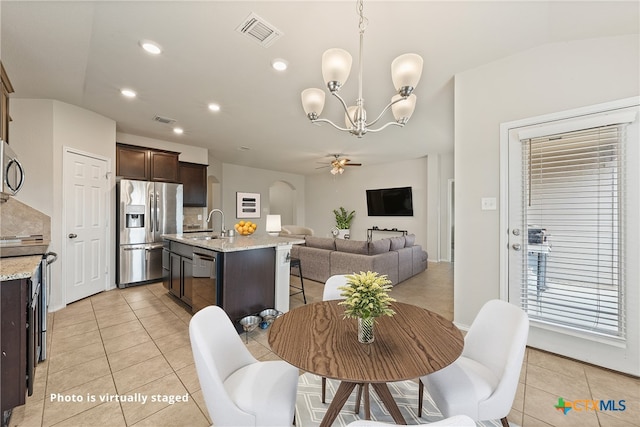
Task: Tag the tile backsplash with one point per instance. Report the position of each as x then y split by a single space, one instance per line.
191 218
19 219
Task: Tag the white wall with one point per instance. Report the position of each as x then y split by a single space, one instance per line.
39 132
440 170
546 79
282 199
326 192
32 140
446 173
251 180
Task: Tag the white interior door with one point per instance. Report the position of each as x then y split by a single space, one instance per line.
86 216
580 287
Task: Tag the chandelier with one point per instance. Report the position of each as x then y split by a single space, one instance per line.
336 65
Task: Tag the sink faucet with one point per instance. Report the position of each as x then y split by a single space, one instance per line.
223 232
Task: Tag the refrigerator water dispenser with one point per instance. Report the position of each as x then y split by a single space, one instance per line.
134 216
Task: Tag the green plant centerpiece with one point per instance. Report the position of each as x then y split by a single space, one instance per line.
366 297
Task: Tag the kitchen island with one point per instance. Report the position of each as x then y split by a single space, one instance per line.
244 274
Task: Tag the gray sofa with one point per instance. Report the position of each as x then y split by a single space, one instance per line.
397 257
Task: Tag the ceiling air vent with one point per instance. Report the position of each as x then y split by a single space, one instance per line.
259 30
164 120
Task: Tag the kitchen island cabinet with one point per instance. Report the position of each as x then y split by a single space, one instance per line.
246 274
19 331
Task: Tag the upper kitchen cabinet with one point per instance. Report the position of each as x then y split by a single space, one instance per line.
4 104
193 177
146 164
164 166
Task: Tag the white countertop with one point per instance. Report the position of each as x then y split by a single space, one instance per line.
232 244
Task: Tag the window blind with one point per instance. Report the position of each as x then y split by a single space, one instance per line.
574 191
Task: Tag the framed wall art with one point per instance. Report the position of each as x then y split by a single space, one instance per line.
247 205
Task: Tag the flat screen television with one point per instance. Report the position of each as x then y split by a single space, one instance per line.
390 202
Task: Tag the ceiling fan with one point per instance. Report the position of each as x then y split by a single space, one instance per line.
338 164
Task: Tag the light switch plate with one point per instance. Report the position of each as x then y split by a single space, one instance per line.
489 204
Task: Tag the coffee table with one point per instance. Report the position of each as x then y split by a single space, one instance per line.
412 343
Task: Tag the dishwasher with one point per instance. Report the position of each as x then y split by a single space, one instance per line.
205 279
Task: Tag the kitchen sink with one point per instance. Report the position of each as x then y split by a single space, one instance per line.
207 238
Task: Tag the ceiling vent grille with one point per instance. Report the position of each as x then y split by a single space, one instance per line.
165 120
259 30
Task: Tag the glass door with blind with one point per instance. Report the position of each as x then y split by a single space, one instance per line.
571 254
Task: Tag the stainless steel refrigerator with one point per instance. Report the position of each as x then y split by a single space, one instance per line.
147 210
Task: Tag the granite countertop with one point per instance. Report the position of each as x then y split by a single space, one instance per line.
21 267
231 244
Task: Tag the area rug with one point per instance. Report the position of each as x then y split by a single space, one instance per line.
310 409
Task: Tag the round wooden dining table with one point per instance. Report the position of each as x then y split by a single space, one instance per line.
318 339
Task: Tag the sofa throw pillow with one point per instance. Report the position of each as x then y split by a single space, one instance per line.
352 246
409 240
379 246
397 243
321 242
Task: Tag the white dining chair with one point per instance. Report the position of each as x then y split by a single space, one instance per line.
455 421
482 382
331 291
239 390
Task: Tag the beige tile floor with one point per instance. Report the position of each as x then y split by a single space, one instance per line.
135 342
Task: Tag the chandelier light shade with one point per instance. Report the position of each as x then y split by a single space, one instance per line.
406 71
403 110
313 101
336 66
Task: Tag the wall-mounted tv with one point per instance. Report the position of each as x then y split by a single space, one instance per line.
390 202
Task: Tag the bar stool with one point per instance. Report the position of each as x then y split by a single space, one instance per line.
295 262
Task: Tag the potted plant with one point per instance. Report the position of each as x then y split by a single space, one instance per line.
343 222
366 297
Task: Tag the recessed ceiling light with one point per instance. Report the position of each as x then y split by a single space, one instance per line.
279 64
214 107
128 93
179 131
150 47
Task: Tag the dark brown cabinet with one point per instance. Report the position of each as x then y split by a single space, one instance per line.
146 164
5 90
181 272
13 340
193 177
164 166
132 162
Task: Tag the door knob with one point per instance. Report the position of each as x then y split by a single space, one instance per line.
72 235
516 246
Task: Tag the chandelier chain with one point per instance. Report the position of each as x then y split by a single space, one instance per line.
362 24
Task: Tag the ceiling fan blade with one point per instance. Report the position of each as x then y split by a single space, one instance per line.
352 164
